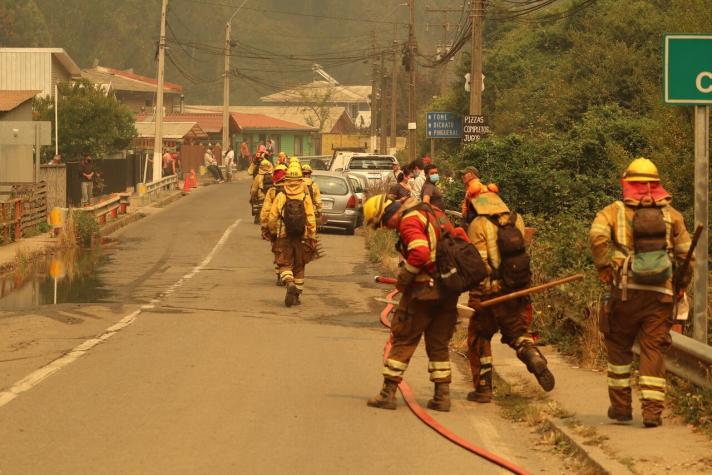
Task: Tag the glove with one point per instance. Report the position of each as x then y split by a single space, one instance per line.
404 279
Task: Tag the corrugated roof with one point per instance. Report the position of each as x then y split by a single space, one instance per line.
127 81
263 122
320 91
171 130
10 100
58 53
211 123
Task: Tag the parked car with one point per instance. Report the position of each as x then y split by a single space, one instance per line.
317 163
360 186
374 167
340 205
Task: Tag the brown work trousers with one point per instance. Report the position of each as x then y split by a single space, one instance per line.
422 311
645 315
290 260
509 318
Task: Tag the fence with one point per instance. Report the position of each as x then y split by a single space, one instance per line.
153 190
23 211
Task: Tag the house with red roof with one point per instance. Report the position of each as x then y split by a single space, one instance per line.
135 91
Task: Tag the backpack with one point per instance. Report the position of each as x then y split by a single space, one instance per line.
650 262
515 266
294 217
459 266
266 183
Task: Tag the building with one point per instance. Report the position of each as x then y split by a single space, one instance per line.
36 69
174 134
209 122
289 137
16 160
135 91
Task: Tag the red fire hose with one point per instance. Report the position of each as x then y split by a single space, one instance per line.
423 415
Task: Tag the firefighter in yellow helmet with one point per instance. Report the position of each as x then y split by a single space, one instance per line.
636 243
260 184
426 308
292 224
278 175
313 189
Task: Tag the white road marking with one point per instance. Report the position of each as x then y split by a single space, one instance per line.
36 377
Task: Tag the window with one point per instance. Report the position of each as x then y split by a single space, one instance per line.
331 185
356 184
371 162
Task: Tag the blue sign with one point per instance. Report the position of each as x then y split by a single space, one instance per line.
443 125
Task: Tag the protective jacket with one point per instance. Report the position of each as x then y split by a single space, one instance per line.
267 204
257 193
293 189
613 228
315 193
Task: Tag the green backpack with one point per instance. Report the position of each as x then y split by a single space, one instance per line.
650 262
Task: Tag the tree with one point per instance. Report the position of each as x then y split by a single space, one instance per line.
22 24
90 120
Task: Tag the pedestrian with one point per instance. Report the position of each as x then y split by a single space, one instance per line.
292 223
270 147
169 164
426 307
277 187
212 165
313 188
392 177
86 179
418 180
256 160
637 243
401 189
228 160
431 194
498 235
282 159
244 155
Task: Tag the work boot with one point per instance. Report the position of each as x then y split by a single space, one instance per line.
620 415
299 297
292 295
652 421
441 398
386 399
483 389
279 282
536 364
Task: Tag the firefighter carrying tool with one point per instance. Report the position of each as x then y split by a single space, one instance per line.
648 240
277 187
426 307
313 188
498 235
260 184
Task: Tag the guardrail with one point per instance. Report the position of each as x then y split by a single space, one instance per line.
151 191
108 208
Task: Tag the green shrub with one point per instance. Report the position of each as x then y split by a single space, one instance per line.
85 227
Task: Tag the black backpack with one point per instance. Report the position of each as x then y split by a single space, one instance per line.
294 217
460 267
515 266
266 183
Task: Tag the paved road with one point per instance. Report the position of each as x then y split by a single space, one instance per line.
207 372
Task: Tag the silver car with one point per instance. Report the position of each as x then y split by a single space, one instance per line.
340 205
375 168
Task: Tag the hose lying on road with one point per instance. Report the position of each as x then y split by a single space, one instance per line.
423 415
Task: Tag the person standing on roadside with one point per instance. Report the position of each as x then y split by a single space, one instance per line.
400 189
86 179
169 164
431 194
228 160
244 160
637 244
418 180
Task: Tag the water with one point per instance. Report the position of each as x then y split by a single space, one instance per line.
72 276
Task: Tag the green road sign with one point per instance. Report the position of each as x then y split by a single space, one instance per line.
688 69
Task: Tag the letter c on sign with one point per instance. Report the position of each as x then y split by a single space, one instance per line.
698 82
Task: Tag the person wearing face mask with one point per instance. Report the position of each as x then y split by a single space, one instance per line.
418 180
431 194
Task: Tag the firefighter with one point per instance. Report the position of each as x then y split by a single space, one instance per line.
277 187
293 226
314 191
646 239
494 228
425 308
260 184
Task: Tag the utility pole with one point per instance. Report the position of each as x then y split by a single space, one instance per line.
477 16
383 149
394 93
374 92
226 99
444 47
412 137
158 139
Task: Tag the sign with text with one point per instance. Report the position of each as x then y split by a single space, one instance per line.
475 128
688 69
443 125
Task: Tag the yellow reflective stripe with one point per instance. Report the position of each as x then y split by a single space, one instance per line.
682 247
600 229
417 243
652 381
440 374
619 369
652 395
618 383
411 268
486 359
395 364
392 372
668 226
621 234
435 365
485 370
420 216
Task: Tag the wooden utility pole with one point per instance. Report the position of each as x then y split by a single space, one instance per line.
394 94
701 275
412 136
374 92
477 16
383 148
226 99
158 139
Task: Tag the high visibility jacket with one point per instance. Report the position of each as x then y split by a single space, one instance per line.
267 204
295 190
315 193
612 230
419 232
483 235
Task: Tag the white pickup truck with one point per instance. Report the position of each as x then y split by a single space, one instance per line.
374 167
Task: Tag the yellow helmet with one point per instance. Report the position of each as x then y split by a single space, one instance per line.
294 172
306 168
293 159
373 209
280 166
641 169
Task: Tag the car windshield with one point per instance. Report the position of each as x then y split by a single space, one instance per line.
356 184
331 185
371 163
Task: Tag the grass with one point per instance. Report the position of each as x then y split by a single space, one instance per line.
381 247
